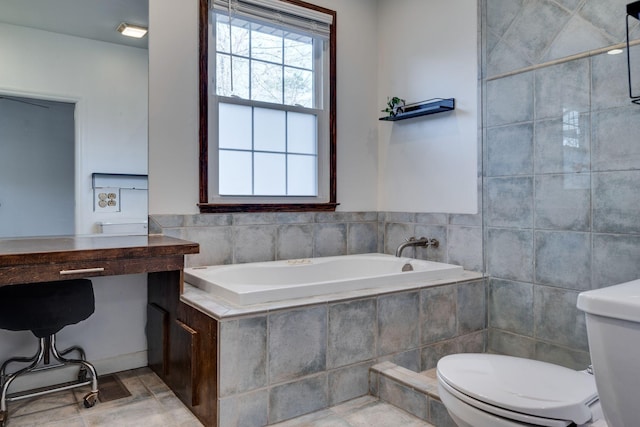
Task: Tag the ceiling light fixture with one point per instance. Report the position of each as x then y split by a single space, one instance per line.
132 30
615 51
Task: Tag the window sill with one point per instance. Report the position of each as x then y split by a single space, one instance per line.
267 207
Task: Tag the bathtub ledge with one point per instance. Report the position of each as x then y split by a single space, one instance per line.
219 308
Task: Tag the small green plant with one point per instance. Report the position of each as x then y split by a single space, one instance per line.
395 105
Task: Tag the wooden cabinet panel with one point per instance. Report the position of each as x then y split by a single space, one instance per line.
207 363
184 363
157 338
192 362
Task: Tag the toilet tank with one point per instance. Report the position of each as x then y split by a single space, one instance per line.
613 328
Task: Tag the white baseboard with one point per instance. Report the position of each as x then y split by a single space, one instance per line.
120 363
110 365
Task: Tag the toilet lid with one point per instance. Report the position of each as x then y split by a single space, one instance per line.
521 385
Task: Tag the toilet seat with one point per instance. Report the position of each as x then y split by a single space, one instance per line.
521 389
509 416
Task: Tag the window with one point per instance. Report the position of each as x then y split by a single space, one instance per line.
267 106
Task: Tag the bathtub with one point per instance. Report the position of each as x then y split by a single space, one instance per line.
261 282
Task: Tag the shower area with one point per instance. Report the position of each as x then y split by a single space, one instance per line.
561 168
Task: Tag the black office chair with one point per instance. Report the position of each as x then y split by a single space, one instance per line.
44 309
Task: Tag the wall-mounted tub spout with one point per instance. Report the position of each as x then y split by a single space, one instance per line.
412 241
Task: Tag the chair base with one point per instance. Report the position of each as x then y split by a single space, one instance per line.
39 362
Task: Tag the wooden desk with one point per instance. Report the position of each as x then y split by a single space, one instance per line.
182 342
30 260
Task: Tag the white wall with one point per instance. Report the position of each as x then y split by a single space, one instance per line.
357 141
426 165
109 84
428 49
173 105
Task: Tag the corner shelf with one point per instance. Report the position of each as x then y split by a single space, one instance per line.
422 109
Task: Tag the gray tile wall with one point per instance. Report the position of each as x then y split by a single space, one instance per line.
561 170
254 237
460 236
239 238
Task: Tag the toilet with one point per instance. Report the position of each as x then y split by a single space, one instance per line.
491 390
613 329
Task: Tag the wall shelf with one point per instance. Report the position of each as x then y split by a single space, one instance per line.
119 180
424 108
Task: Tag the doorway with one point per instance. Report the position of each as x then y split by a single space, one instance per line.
37 167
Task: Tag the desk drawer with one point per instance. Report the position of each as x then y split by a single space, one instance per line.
91 268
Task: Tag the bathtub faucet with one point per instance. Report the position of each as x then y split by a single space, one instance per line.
412 241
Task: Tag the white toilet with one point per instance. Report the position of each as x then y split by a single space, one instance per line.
613 328
490 390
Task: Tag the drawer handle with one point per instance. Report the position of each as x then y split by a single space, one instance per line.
82 271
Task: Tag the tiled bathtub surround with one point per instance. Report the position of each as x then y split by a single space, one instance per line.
279 363
285 362
561 170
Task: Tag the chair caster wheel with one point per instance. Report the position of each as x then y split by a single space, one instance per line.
3 418
89 400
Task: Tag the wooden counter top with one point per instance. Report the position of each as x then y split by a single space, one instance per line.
26 260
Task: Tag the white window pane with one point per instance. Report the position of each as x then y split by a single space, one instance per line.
266 82
301 133
223 43
269 128
232 76
299 52
302 172
298 87
234 127
223 74
270 174
234 173
239 40
266 47
265 151
240 77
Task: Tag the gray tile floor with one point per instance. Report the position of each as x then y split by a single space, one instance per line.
365 411
152 404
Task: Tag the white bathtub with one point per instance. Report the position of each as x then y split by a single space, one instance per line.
260 282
